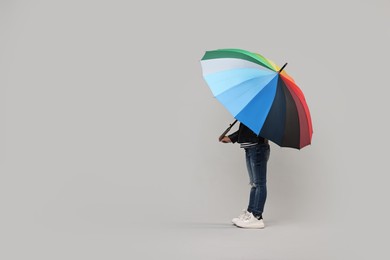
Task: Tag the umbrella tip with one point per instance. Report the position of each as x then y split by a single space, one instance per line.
282 67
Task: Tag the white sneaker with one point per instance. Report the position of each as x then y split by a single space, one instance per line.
241 216
250 221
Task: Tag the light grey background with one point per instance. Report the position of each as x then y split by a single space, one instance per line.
109 133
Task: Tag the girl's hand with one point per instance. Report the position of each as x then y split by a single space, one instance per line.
226 139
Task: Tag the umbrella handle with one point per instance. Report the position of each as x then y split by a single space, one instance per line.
227 130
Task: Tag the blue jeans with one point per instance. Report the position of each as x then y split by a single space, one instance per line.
256 162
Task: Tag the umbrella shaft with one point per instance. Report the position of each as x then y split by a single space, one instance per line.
227 130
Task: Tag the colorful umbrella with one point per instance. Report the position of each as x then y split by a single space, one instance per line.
260 95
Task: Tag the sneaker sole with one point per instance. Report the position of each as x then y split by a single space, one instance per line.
250 227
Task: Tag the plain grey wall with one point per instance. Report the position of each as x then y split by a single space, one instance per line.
108 129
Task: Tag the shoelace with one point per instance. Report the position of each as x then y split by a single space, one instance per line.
247 217
243 214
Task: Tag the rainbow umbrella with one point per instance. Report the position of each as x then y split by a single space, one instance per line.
260 95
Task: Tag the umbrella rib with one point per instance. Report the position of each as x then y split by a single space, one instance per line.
268 90
224 64
218 78
246 92
302 101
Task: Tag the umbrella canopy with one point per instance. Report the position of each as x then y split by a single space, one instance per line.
260 95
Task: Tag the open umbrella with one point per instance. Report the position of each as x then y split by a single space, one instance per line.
260 95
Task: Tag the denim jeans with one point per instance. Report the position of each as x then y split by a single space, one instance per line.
256 162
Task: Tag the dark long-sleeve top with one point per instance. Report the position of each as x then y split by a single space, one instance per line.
245 135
